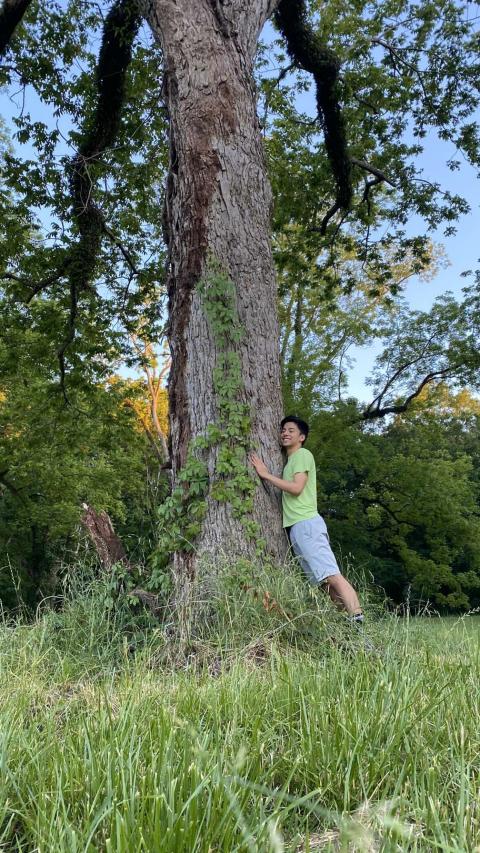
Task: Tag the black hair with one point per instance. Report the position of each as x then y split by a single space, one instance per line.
302 425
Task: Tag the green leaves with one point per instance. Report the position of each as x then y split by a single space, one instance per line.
54 457
427 350
406 502
409 77
182 514
55 61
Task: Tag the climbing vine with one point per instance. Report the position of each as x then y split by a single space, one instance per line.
181 515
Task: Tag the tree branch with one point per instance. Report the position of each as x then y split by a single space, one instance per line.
403 367
306 50
362 164
395 54
322 229
11 14
158 452
389 511
37 287
11 488
154 384
120 28
119 31
400 408
123 249
367 104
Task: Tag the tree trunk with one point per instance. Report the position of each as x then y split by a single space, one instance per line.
297 344
218 203
107 544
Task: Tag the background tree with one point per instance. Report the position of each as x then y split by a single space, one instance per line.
53 458
404 502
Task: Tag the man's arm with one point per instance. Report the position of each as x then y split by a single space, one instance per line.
293 487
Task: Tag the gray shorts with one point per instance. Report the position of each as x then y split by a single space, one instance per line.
311 545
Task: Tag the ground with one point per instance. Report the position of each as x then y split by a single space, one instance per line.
269 745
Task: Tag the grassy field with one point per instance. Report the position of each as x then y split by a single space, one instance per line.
294 739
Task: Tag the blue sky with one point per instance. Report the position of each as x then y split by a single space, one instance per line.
462 249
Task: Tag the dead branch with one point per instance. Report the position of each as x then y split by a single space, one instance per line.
107 544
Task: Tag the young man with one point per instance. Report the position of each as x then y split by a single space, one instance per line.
306 528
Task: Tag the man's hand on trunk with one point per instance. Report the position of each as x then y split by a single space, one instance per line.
259 466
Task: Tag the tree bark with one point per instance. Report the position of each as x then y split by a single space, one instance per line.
297 344
218 202
107 544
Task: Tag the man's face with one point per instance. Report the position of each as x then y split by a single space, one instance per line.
291 435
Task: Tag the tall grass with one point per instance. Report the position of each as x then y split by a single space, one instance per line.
276 730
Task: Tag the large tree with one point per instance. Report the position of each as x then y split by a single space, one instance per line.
223 332
218 211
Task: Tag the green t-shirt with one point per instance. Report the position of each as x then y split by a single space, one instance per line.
303 506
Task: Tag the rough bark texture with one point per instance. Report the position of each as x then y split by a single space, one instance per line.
218 203
106 542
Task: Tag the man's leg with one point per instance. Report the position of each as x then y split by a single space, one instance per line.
342 594
311 545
